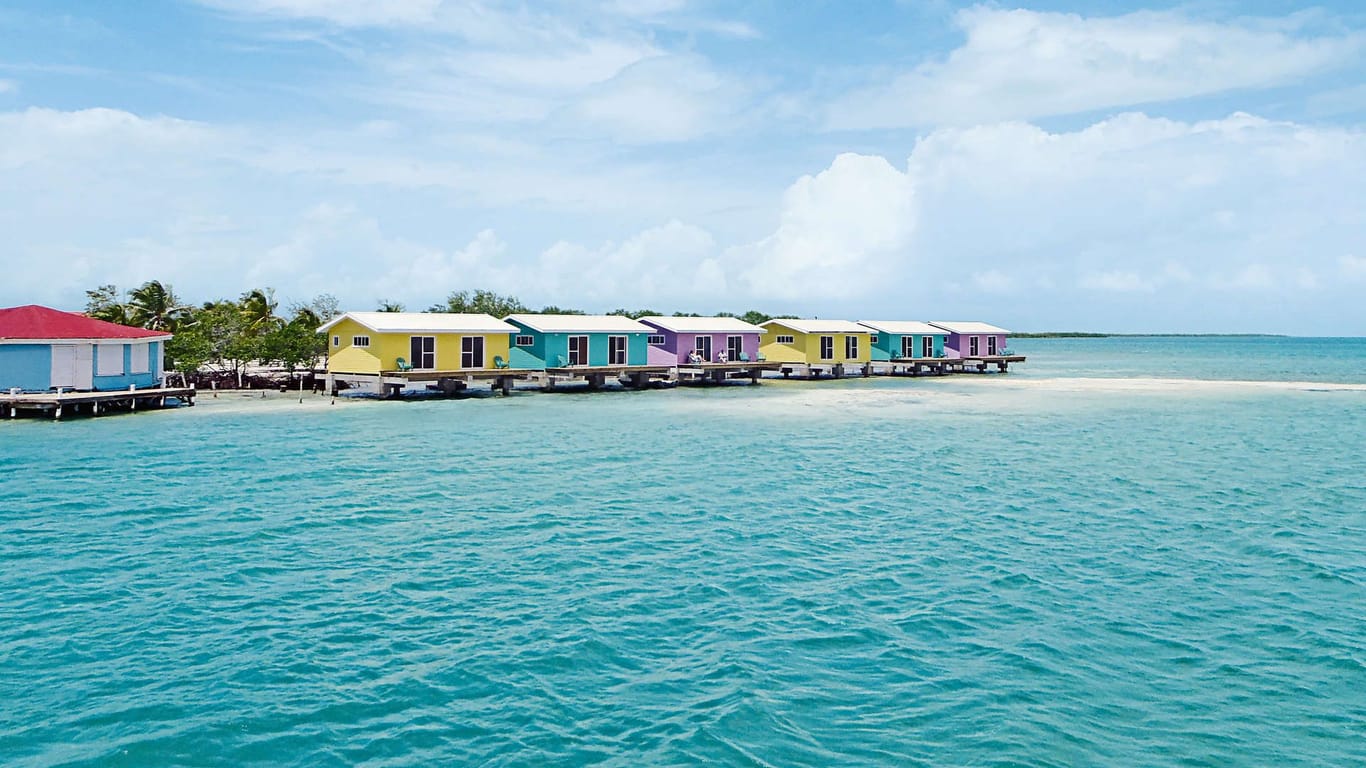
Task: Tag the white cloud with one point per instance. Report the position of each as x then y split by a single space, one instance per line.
993 281
837 229
1352 267
1019 64
345 13
660 99
1118 281
1122 221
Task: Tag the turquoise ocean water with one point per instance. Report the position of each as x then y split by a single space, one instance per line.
1128 552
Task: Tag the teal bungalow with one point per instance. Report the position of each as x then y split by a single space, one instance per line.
562 341
42 349
905 339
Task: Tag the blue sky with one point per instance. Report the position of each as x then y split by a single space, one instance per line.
1059 165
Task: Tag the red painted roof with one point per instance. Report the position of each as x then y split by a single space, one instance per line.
35 322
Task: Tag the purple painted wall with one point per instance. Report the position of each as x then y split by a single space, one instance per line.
676 346
960 344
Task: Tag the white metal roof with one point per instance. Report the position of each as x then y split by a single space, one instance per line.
581 323
966 326
424 322
818 326
702 324
904 327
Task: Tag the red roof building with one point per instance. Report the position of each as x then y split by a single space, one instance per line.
32 323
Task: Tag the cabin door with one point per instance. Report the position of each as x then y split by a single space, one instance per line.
472 352
423 349
908 346
734 346
927 346
616 350
578 350
991 345
703 346
73 365
973 342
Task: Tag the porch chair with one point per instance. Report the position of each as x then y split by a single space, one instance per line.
402 364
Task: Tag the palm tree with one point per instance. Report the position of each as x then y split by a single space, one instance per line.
258 309
155 307
386 305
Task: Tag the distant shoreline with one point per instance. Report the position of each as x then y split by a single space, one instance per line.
1087 335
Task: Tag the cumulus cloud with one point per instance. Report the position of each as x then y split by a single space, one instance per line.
1018 64
1189 224
660 99
1352 267
837 229
346 13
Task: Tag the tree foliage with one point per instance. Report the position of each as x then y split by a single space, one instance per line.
480 301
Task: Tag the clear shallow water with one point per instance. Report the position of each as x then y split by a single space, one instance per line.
1029 569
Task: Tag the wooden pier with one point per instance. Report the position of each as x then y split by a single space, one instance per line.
64 403
391 383
901 366
719 373
634 376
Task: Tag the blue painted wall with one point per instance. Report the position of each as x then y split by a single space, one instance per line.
26 366
140 380
29 367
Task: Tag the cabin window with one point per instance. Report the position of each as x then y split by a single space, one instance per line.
616 350
526 341
138 359
360 341
973 343
655 341
851 347
827 347
472 352
927 346
423 350
786 340
734 347
336 341
991 345
109 362
703 346
872 339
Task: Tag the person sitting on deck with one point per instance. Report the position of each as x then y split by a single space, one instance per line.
722 357
694 358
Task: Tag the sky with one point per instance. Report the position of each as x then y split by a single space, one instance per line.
1099 166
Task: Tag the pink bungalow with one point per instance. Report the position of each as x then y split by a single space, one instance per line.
972 339
710 337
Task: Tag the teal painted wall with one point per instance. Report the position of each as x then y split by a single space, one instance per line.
26 366
888 345
547 348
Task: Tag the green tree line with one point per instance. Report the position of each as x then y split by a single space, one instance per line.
227 334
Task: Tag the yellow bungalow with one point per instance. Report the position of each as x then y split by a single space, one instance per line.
816 344
405 343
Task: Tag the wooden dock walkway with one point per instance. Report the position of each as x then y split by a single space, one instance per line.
62 403
635 376
719 373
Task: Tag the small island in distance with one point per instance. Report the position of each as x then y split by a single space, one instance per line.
1091 335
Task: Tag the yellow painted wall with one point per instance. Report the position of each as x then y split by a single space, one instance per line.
806 348
386 348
